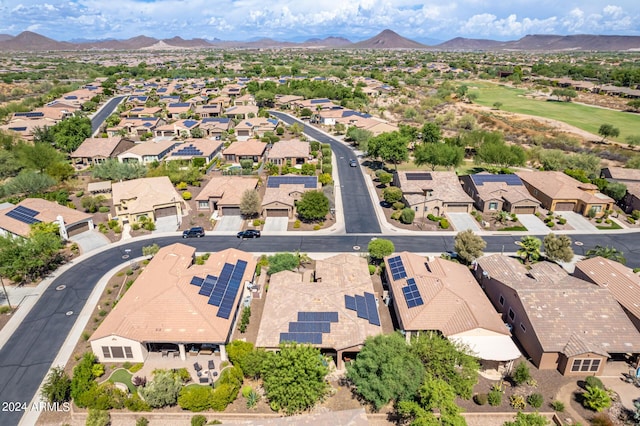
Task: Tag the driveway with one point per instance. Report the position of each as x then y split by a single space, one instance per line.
229 223
90 240
533 224
463 221
578 222
275 224
166 224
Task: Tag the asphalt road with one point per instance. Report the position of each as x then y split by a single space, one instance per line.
104 112
356 201
27 356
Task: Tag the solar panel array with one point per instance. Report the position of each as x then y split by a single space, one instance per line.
188 150
397 268
419 176
509 179
318 316
222 290
24 215
313 338
365 307
307 181
309 327
412 294
190 123
32 114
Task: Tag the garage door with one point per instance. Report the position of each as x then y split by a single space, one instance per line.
524 209
78 228
457 208
277 213
565 207
231 211
165 211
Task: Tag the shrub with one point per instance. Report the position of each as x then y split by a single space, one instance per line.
57 387
635 214
186 195
562 221
316 227
398 205
631 220
98 418
252 399
223 395
535 400
396 215
481 399
596 398
517 402
372 269
246 390
139 381
601 420
195 398
135 403
391 194
79 194
407 215
181 185
198 420
494 397
296 224
142 421
521 374
149 226
444 224
557 406
183 374
594 381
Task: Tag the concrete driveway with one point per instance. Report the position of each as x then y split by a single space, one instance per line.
578 222
229 223
275 224
463 221
90 240
533 224
166 224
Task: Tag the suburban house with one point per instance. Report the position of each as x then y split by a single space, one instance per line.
98 150
223 194
631 178
557 192
17 219
195 148
147 152
153 198
561 321
434 193
285 101
139 112
215 127
26 127
373 125
493 193
241 111
620 280
335 310
255 127
315 105
282 192
293 151
210 110
176 306
135 126
180 128
174 109
251 149
440 295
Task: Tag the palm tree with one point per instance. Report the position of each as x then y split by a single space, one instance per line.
502 216
529 249
607 252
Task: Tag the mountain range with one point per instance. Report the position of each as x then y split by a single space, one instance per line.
387 39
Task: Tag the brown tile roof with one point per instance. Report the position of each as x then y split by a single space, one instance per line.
502 191
97 147
623 174
48 212
290 149
560 186
206 146
228 189
444 186
251 147
150 148
559 308
453 301
343 274
142 195
162 305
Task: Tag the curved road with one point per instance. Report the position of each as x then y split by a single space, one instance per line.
104 112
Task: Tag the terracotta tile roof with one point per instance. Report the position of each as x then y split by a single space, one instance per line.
560 186
142 195
251 147
227 189
341 275
290 149
623 174
497 190
206 146
97 147
150 148
162 305
444 186
48 212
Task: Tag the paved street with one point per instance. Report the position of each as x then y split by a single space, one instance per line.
102 114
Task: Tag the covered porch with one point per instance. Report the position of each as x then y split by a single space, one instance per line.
204 369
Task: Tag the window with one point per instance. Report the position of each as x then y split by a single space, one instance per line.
501 301
585 365
105 352
523 327
512 315
597 209
493 205
416 208
203 205
117 351
127 352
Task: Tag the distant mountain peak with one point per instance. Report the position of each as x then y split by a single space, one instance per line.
389 39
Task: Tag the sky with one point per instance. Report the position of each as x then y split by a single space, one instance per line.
299 20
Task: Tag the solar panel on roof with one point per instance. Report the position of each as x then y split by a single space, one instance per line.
197 281
207 286
310 327
509 179
26 211
226 305
307 181
372 309
22 217
313 338
419 176
412 294
318 316
397 268
350 302
361 306
221 283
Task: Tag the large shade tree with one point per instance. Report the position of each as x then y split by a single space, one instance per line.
391 147
313 205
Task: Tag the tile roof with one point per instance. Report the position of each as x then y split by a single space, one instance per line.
560 186
499 189
150 148
444 186
97 147
623 174
228 189
143 195
293 148
250 147
48 212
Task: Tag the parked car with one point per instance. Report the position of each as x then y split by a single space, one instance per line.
353 163
249 233
195 232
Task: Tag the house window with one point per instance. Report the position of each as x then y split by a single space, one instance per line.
501 301
117 351
597 209
493 205
129 353
512 315
203 205
585 365
523 327
105 352
416 208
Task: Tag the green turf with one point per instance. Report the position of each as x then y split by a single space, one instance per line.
514 228
123 376
613 225
584 117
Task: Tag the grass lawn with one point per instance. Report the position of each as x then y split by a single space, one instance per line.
514 228
613 225
123 376
584 117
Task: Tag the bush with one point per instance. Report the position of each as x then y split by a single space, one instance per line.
104 209
521 374
407 215
149 226
562 221
398 205
396 215
136 404
494 397
596 398
372 269
631 220
195 398
635 214
57 387
481 398
198 420
557 406
392 194
444 224
181 185
601 420
535 400
186 195
142 421
246 390
517 402
594 381
98 418
223 395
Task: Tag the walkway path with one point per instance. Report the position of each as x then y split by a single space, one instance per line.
565 395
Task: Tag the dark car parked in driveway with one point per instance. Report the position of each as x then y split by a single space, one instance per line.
195 232
249 233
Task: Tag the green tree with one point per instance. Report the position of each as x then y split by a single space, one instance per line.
529 250
380 248
607 252
57 387
250 203
361 137
386 370
431 133
38 156
28 182
43 135
438 154
501 154
608 131
83 380
114 170
435 394
313 205
9 164
294 378
70 133
308 169
25 259
195 398
596 398
390 147
392 194
163 390
468 245
283 262
150 250
527 419
521 374
238 351
306 112
616 190
558 248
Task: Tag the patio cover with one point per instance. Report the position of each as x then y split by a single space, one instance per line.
104 186
490 348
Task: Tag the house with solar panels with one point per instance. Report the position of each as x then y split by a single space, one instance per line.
241 111
434 193
135 126
255 127
25 127
223 194
174 109
492 193
282 192
17 220
176 305
443 296
180 128
335 309
147 152
215 127
206 149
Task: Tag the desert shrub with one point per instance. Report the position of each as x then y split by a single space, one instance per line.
136 404
139 381
557 406
481 398
98 418
195 398
601 420
635 214
372 269
562 221
517 402
396 215
246 390
149 226
142 421
594 381
198 420
494 397
535 400
296 224
444 224
104 209
181 185
183 374
186 195
596 398
407 215
521 374
398 205
223 395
